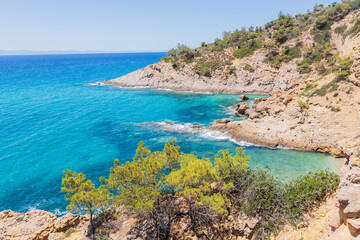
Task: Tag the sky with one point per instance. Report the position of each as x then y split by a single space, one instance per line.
131 25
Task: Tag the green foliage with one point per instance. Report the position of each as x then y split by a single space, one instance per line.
355 4
285 29
206 68
322 37
316 54
331 86
303 105
307 191
203 45
340 29
308 88
165 187
174 183
336 109
323 23
285 55
262 196
83 195
249 68
217 48
355 29
232 70
248 49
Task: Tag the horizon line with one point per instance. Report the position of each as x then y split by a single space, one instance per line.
65 52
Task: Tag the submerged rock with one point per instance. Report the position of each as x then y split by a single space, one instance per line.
223 121
243 98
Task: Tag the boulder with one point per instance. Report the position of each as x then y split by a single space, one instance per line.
355 162
241 107
256 101
251 113
68 221
223 121
334 221
243 98
355 223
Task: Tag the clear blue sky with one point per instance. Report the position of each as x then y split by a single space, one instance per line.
131 25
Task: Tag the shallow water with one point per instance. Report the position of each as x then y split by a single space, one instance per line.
51 119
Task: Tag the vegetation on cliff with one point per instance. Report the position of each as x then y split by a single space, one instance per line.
280 41
166 188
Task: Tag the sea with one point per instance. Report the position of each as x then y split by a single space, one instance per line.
52 118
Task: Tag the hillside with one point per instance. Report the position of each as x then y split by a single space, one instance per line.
308 64
312 58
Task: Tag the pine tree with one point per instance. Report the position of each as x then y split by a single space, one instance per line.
84 197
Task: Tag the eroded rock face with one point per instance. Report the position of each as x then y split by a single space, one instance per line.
37 225
346 223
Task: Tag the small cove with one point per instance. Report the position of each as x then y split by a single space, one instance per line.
51 119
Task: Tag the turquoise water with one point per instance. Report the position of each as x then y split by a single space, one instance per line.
51 119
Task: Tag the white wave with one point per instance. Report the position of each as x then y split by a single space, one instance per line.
196 129
58 212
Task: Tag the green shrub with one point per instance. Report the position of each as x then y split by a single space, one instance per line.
322 37
217 48
286 54
203 45
305 192
232 70
206 68
248 49
249 68
204 191
355 29
303 105
263 196
330 87
355 4
336 109
308 88
323 23
340 29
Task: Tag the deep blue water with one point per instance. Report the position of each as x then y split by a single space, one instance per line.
51 119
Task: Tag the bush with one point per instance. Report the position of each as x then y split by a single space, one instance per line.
330 87
249 68
355 4
286 54
308 88
217 48
322 37
232 70
323 23
165 188
355 29
248 49
263 196
336 109
303 105
206 68
340 29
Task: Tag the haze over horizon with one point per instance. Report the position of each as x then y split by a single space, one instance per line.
136 26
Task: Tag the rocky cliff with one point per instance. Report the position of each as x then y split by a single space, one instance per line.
311 106
309 65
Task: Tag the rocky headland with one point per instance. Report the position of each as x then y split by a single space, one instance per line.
314 107
279 120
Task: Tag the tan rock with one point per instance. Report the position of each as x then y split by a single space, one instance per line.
334 221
